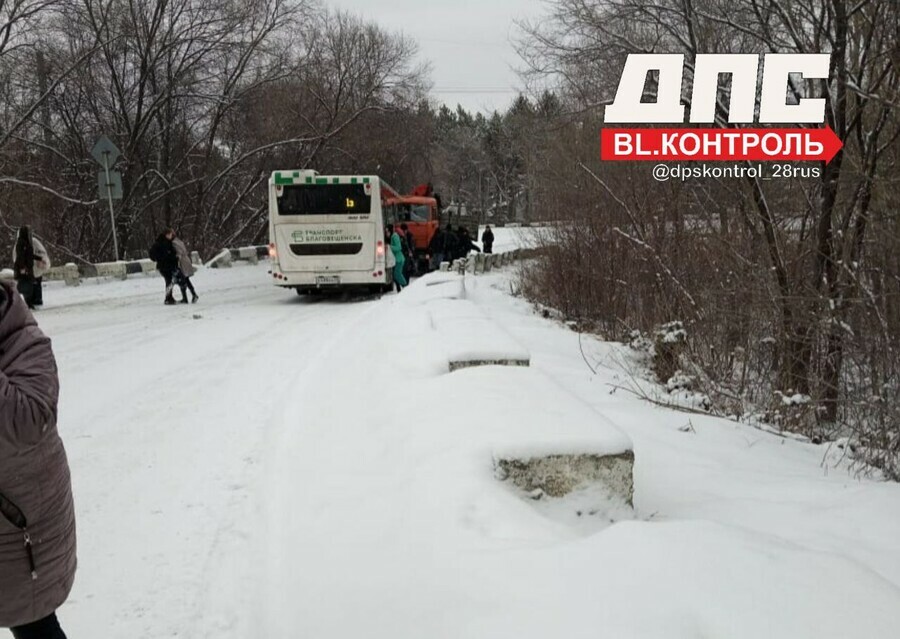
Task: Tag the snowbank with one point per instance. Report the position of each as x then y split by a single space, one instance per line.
470 338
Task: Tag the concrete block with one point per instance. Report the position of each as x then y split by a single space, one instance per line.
112 269
71 274
471 339
248 253
222 260
557 475
475 361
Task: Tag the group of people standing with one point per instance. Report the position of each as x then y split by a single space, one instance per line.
446 245
31 262
174 263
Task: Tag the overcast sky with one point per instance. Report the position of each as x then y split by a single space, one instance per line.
467 42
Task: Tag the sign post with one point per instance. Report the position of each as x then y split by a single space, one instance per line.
106 153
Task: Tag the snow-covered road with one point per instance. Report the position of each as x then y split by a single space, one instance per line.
165 413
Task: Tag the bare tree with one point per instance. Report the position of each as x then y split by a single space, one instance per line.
805 244
204 99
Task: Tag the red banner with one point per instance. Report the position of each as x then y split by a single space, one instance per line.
719 144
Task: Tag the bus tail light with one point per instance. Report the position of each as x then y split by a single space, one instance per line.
379 249
273 252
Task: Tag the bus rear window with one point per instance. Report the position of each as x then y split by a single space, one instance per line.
324 199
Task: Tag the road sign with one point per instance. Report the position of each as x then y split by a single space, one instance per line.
111 185
110 182
105 152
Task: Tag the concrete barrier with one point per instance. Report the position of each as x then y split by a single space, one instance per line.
71 275
557 475
484 262
246 253
112 269
470 339
226 257
221 260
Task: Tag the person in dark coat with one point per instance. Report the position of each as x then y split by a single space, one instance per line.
166 257
464 243
37 515
450 244
30 263
487 239
410 245
437 248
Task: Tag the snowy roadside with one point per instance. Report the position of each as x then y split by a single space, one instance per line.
384 507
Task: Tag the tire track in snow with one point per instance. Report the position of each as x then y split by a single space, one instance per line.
163 422
237 557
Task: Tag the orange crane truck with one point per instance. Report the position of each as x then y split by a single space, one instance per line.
420 211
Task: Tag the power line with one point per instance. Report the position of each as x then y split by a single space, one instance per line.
475 90
477 43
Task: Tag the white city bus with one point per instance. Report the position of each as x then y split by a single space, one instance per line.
327 232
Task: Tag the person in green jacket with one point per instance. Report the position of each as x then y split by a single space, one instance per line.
397 250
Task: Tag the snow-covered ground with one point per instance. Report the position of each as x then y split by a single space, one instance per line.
262 465
507 238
